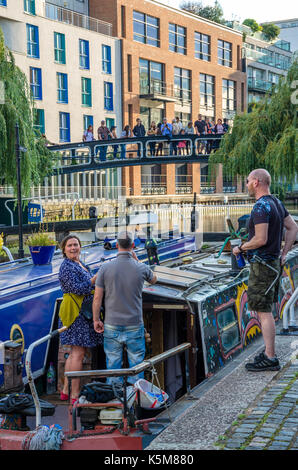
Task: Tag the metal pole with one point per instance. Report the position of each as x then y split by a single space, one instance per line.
19 192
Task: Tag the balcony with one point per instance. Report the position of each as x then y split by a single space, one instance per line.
53 12
157 90
259 85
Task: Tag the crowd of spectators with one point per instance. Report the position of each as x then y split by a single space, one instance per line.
176 142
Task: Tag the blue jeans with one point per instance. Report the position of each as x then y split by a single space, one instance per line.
114 338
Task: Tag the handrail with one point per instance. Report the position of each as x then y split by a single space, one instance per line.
290 306
128 372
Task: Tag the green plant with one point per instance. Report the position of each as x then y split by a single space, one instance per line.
270 31
40 239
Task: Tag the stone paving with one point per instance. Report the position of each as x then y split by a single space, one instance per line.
273 423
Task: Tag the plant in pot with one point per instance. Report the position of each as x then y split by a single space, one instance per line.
42 248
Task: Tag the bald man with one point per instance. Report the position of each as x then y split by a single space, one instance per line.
267 221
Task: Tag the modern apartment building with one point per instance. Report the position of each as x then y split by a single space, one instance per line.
73 65
264 62
174 64
288 31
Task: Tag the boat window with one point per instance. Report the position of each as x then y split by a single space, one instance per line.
228 329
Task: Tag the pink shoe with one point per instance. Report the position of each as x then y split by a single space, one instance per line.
74 400
63 397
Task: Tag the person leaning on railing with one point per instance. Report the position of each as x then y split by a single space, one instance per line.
152 132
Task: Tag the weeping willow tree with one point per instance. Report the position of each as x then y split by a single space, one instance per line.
17 106
264 138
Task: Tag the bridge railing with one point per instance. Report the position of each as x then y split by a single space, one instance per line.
145 150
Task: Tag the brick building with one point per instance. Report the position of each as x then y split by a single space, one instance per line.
173 64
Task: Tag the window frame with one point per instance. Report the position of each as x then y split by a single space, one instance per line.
205 94
62 91
227 98
231 305
221 60
32 43
108 98
36 85
66 129
41 126
88 119
175 46
84 54
59 49
149 40
199 41
180 88
29 7
86 91
106 59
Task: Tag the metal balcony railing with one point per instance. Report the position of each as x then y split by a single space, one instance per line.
260 85
64 15
156 88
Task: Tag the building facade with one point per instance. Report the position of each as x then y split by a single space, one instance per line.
288 32
174 64
72 63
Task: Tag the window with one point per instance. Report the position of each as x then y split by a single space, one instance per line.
182 84
87 121
29 6
84 54
62 89
177 38
224 53
207 94
202 46
145 29
110 122
108 96
36 83
38 120
151 77
228 96
185 118
32 41
59 48
86 92
228 329
3 3
106 59
64 127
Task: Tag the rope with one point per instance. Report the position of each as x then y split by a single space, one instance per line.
154 374
44 438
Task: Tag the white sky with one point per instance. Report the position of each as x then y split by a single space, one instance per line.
260 10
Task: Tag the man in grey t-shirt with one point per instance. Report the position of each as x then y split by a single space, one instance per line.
121 282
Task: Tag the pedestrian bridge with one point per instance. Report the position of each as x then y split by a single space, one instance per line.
117 153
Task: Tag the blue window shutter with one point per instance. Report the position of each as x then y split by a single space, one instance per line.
87 53
40 83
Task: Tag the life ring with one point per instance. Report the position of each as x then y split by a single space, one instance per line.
17 335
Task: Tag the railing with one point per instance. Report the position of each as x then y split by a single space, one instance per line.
290 306
157 87
64 15
255 84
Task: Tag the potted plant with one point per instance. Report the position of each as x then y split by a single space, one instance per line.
42 248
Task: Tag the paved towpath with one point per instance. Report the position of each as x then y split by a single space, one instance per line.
240 410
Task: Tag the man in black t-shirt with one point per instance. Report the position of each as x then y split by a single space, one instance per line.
267 221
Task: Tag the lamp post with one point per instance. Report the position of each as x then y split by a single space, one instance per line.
19 149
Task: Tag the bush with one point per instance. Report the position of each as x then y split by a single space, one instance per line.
40 239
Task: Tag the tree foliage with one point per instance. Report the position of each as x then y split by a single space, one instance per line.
270 31
253 25
264 138
213 13
18 107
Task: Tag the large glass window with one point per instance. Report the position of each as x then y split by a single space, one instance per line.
177 38
84 54
32 41
228 329
182 84
29 6
62 88
207 94
224 53
106 59
151 77
229 96
145 29
36 83
3 3
86 92
108 96
87 121
64 127
59 48
202 46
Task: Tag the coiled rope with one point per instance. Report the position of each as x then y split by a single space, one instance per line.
44 438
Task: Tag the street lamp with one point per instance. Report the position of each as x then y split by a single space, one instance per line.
19 149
